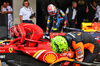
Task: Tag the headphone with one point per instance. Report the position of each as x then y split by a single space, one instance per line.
25 1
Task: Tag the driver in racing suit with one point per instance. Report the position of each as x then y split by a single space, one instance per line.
84 46
26 30
54 13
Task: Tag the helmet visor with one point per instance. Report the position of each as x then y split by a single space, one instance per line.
51 13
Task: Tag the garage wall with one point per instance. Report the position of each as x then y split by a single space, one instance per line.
17 4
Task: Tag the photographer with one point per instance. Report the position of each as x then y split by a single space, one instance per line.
26 13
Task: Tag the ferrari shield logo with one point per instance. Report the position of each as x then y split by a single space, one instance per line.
10 50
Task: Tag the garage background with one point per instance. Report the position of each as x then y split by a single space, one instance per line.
42 13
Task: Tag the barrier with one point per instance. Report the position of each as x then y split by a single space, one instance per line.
3 26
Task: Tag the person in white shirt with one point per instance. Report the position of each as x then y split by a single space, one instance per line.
7 9
97 14
4 8
26 13
71 14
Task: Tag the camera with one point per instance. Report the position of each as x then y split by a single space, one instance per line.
32 15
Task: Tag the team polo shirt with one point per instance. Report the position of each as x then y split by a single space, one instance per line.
26 13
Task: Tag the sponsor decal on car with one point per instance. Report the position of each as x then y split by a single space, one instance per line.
50 57
10 50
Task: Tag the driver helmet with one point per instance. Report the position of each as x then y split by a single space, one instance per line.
14 31
59 44
52 9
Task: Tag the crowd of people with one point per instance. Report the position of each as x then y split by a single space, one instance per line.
57 19
92 12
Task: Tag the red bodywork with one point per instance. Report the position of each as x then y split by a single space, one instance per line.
42 52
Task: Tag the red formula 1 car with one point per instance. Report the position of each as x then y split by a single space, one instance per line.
14 53
40 55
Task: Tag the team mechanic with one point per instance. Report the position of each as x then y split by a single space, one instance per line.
84 46
26 30
54 13
26 13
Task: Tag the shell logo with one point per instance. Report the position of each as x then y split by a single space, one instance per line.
50 58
